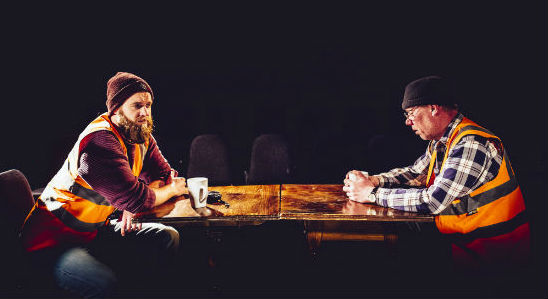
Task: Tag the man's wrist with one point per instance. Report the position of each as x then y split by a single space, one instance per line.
374 192
373 195
377 181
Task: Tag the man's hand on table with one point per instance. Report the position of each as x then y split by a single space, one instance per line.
178 185
172 187
359 188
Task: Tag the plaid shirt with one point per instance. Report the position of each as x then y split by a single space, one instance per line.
472 162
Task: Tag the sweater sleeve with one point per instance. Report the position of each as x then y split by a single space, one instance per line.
105 167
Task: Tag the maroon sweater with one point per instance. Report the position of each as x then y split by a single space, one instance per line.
105 167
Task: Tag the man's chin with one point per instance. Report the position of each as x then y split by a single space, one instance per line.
136 131
421 136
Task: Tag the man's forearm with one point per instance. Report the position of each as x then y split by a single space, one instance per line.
163 194
163 191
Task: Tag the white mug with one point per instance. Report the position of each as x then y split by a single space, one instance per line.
197 188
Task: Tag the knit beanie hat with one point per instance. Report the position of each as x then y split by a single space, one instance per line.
430 90
122 86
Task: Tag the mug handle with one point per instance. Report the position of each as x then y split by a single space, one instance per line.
202 189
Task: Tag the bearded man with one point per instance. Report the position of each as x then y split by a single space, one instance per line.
115 165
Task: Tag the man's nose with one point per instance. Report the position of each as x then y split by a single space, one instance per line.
408 122
144 111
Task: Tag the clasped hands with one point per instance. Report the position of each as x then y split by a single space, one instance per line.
358 186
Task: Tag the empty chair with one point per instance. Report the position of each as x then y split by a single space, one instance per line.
270 161
17 201
21 279
209 158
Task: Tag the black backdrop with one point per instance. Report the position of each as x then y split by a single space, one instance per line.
328 76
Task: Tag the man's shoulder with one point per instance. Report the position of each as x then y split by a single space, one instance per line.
102 134
152 142
474 138
101 139
479 143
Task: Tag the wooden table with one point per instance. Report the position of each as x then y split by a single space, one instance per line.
329 202
279 202
327 213
251 203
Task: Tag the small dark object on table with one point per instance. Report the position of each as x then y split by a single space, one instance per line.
214 198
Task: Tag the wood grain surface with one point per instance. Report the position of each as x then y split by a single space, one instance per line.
329 202
275 202
246 203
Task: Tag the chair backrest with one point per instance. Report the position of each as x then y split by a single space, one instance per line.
20 273
270 161
17 200
208 157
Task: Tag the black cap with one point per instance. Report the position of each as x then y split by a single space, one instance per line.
429 90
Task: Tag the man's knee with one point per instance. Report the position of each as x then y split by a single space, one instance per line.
78 272
166 237
172 238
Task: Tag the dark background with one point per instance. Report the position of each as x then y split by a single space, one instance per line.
328 76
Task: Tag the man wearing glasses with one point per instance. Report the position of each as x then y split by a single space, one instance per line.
464 178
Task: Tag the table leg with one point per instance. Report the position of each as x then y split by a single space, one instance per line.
313 231
318 231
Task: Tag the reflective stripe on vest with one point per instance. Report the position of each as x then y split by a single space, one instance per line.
69 197
491 210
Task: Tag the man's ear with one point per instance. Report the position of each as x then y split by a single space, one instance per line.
434 109
115 115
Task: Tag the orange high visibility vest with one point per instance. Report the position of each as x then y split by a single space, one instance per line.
69 209
489 224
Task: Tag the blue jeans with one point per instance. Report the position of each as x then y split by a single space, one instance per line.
95 270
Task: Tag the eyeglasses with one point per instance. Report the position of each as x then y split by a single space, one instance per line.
410 115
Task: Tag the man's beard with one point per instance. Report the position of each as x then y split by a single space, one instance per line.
133 132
